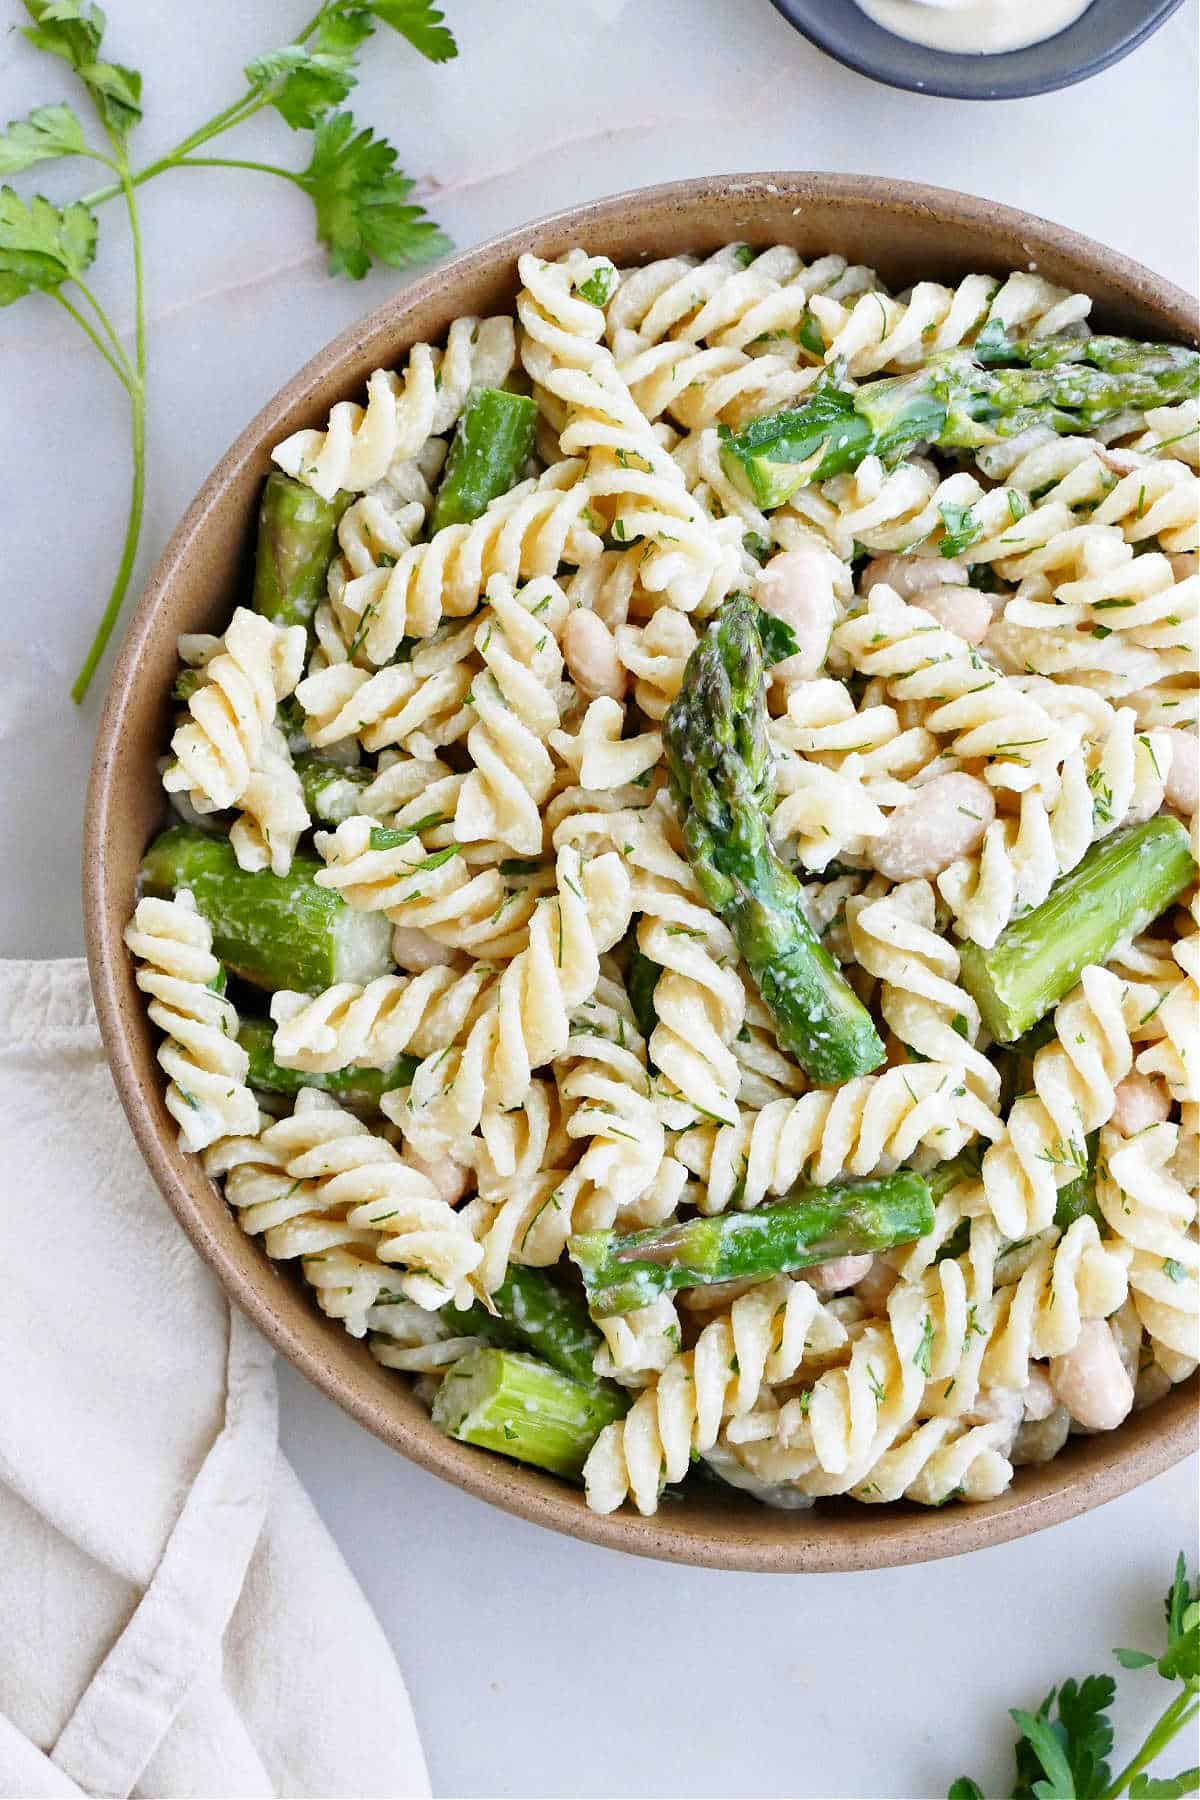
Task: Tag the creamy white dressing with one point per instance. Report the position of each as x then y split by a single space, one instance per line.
975 27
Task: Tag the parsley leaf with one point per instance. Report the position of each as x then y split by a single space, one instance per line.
1165 1787
41 246
1082 1710
73 29
360 199
962 528
303 81
1044 1771
422 23
1066 1757
47 132
599 286
777 637
809 336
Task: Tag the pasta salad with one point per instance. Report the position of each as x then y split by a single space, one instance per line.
680 918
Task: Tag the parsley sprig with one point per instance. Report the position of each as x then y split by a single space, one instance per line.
361 199
1063 1750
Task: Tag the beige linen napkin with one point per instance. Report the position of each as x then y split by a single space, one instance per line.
174 1618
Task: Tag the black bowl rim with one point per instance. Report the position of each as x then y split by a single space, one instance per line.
953 76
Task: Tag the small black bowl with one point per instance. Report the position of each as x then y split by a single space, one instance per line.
1108 30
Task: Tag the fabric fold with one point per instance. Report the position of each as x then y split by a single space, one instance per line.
178 1621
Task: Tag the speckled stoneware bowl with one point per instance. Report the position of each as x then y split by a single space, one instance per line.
1106 32
906 232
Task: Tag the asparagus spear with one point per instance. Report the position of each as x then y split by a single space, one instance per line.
277 931
722 782
535 1314
353 1086
491 445
813 1225
332 791
1122 883
958 402
507 1401
296 540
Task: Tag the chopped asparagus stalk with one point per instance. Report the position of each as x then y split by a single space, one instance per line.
722 782
943 1177
537 1314
507 1401
296 541
813 1225
534 1313
276 931
958 401
1120 886
492 443
332 791
353 1086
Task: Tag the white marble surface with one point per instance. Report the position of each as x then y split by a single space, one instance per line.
538 1666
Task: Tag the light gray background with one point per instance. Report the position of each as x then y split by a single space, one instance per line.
539 1666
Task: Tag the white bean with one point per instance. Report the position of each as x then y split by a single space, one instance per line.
414 950
945 819
1152 1384
450 1179
1182 789
1040 1440
960 609
840 1273
911 576
591 656
997 1406
877 1284
1091 1381
1140 1102
1038 1394
798 586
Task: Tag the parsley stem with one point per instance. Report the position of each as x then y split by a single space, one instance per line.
237 162
89 331
243 108
1180 1712
133 529
137 408
125 367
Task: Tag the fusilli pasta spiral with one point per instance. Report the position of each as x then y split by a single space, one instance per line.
242 678
869 1126
1147 1208
763 1338
206 1066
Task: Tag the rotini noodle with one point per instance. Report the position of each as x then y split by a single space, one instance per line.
762 1339
1148 1209
206 1066
866 1127
241 679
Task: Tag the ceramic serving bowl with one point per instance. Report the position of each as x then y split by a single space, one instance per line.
906 232
1106 32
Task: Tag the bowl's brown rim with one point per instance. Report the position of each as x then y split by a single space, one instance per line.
779 1542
